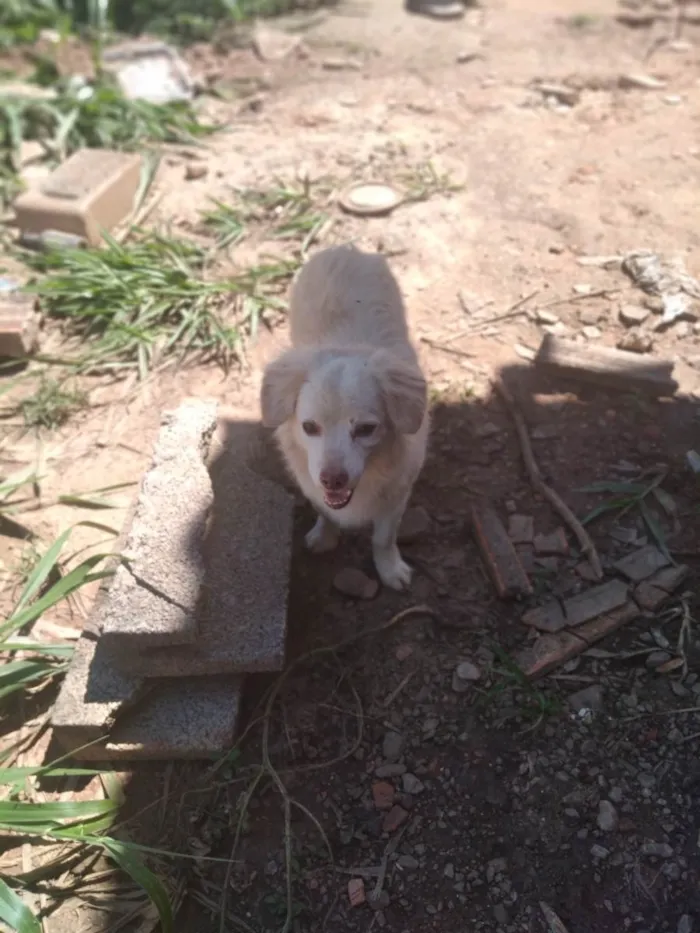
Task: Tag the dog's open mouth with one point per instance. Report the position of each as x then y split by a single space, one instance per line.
337 500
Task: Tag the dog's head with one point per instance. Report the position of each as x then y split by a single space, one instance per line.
343 406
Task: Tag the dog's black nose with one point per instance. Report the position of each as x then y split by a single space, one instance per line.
333 480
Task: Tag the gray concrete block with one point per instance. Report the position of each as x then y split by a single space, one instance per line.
153 598
243 619
191 718
94 691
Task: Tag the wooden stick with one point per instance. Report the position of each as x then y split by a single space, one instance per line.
533 471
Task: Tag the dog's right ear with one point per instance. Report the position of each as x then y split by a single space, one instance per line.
281 384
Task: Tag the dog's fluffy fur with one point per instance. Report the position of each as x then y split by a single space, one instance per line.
348 402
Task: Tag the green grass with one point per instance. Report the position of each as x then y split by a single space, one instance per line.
138 304
292 212
76 825
52 404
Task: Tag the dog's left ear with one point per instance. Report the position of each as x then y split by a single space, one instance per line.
404 390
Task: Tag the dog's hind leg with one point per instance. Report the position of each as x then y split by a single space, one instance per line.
393 571
323 536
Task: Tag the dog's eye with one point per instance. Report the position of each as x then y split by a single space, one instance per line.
364 430
311 428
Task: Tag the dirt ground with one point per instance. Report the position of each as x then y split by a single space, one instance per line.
511 795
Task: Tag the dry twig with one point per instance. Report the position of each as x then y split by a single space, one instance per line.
533 471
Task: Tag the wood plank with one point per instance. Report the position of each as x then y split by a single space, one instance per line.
604 366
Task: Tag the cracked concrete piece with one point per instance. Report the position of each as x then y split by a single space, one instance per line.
190 718
243 618
642 563
153 598
595 602
94 691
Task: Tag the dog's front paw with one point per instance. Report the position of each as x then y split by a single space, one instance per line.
393 571
322 537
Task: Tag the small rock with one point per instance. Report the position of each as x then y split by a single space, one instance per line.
414 524
392 746
582 289
500 914
403 652
591 332
354 583
607 820
685 924
633 315
546 317
356 892
552 544
407 862
449 871
383 795
655 303
641 82
635 341
656 659
272 44
379 901
412 785
521 529
194 170
396 817
588 698
390 770
465 674
657 850
599 852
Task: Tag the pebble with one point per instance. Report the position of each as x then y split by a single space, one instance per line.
500 914
392 746
383 795
354 583
390 770
546 317
449 871
465 674
195 170
396 817
599 852
591 332
641 82
412 785
633 315
608 820
634 341
414 524
685 924
407 862
587 698
657 849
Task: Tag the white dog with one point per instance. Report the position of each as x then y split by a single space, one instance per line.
348 402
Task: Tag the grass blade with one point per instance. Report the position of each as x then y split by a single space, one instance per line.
129 862
15 913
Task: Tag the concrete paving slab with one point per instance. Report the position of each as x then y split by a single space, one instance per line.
243 618
154 595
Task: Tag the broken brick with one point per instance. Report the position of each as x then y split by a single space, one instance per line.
551 651
396 817
642 563
383 795
356 892
594 602
552 544
498 553
521 529
547 618
651 593
19 323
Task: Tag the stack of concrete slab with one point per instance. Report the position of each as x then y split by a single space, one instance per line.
197 599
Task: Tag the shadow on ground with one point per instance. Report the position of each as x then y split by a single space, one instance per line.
463 805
